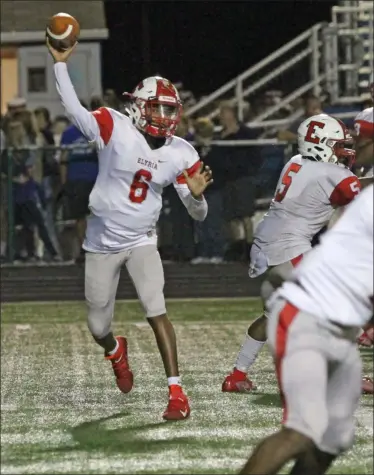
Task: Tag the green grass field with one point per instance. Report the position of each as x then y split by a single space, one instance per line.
61 411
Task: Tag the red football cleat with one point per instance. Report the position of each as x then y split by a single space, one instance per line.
367 386
121 368
178 406
232 384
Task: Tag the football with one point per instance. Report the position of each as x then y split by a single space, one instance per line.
62 31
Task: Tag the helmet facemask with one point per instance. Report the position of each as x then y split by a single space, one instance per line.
160 118
155 107
344 156
339 154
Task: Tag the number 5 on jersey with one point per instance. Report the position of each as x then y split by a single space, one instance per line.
355 187
286 181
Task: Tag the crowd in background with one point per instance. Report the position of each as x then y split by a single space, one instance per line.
45 191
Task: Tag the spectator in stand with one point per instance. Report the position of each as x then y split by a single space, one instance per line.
247 112
78 171
29 121
184 129
174 220
242 165
271 99
34 139
210 232
312 106
367 103
44 131
182 223
4 198
44 124
28 198
17 104
96 102
50 169
110 99
60 124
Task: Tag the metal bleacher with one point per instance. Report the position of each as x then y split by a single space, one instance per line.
333 58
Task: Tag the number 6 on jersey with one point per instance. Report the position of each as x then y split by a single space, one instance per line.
139 186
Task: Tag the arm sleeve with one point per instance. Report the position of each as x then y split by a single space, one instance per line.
96 126
197 209
345 191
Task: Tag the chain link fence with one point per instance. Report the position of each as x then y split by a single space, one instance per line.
35 223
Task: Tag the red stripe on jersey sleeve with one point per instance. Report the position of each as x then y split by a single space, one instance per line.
191 171
365 129
105 122
345 191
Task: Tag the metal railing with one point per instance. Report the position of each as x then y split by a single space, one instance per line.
337 57
282 124
307 45
8 179
348 51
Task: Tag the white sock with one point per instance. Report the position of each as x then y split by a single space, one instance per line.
248 353
174 380
115 349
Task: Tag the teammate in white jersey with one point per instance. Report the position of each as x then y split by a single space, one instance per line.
311 186
364 127
138 157
312 329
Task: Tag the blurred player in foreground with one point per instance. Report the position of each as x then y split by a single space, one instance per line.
312 328
311 186
138 157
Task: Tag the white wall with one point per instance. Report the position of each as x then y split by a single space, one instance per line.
84 67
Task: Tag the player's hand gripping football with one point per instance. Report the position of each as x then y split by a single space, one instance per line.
198 182
60 56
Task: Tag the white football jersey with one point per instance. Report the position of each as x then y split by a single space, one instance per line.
126 200
335 280
127 197
306 195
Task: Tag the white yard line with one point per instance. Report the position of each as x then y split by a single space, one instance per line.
207 433
46 437
143 324
23 327
170 461
187 300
